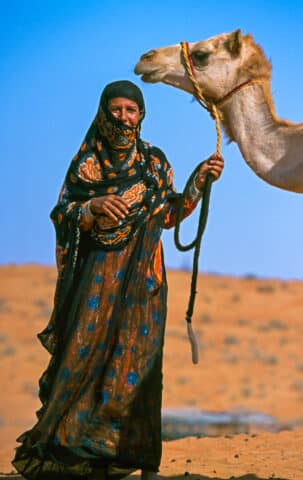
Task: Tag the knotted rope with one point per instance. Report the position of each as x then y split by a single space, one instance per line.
196 243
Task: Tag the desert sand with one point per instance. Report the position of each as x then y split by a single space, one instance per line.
250 334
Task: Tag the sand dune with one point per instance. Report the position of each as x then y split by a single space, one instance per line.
250 333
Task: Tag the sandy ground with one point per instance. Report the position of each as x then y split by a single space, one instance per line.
250 333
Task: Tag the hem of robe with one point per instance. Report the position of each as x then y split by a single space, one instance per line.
62 463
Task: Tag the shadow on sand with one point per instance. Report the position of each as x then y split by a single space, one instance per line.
191 476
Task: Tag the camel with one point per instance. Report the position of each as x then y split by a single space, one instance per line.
234 73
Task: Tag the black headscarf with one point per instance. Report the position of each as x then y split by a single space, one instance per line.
124 89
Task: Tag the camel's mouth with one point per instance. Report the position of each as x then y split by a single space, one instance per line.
151 77
159 74
148 74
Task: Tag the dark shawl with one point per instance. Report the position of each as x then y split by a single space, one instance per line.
111 159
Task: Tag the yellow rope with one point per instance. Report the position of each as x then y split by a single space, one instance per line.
210 107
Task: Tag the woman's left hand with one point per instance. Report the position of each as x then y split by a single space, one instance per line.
213 165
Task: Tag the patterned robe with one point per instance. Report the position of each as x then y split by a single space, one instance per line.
101 393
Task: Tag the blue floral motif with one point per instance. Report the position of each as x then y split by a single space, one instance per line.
156 317
93 302
82 415
91 327
142 255
111 373
87 442
57 440
119 397
102 443
99 278
150 284
155 341
118 350
111 298
104 397
115 426
120 274
100 256
100 346
156 236
84 351
65 396
132 378
144 330
133 348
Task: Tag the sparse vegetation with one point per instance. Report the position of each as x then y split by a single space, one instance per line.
207 299
30 388
206 318
231 340
230 358
298 386
246 392
273 325
44 307
4 306
182 380
299 367
243 322
266 288
7 351
250 276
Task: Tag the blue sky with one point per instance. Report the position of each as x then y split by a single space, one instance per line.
56 57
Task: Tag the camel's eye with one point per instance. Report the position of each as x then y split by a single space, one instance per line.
200 58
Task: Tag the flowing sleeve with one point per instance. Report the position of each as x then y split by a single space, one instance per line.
66 217
173 198
71 215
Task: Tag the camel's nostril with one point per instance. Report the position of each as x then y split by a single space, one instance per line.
148 55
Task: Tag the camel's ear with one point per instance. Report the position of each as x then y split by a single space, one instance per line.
234 42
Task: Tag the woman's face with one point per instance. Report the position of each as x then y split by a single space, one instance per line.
125 110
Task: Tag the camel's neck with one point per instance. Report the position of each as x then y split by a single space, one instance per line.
271 147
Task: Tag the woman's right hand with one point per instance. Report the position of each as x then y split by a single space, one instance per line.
113 206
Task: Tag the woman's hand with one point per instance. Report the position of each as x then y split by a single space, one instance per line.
213 165
112 206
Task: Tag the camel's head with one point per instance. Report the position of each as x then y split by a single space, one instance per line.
221 63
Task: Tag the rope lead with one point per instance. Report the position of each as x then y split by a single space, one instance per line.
196 243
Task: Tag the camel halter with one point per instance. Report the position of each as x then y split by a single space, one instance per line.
209 106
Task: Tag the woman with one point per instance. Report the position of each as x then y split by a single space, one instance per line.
101 393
